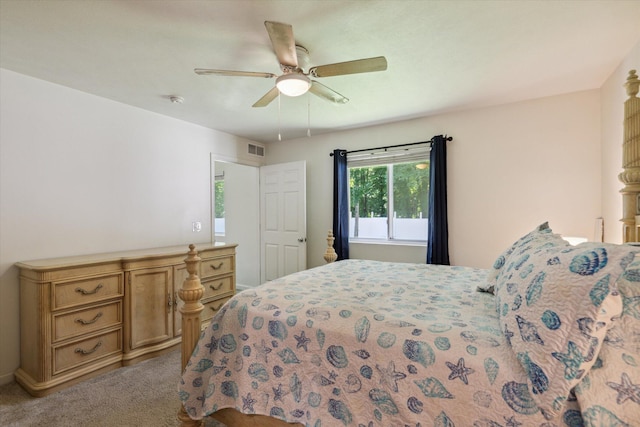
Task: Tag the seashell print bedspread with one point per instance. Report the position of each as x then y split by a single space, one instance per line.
364 343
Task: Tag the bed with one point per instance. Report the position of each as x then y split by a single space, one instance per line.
369 343
549 336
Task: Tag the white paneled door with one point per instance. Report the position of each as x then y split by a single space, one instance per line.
284 219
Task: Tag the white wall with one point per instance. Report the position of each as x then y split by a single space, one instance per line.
81 174
510 168
613 97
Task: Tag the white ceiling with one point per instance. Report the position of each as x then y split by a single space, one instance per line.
442 55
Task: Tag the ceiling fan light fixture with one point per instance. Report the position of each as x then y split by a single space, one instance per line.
293 84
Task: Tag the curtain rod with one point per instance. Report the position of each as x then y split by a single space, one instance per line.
446 138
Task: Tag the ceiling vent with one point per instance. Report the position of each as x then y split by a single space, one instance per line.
256 150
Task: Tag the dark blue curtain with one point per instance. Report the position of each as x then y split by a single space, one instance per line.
438 234
340 204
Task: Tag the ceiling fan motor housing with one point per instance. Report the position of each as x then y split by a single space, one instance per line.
303 57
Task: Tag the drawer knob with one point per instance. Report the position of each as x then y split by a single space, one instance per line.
85 352
88 322
85 292
217 267
215 288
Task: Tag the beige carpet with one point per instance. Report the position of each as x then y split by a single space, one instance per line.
144 394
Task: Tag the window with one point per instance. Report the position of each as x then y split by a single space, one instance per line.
389 195
219 205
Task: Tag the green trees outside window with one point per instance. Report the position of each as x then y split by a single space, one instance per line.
397 191
219 202
219 211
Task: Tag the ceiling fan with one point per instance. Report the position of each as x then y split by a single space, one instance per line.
293 59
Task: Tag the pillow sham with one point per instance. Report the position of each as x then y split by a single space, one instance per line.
542 235
556 304
610 393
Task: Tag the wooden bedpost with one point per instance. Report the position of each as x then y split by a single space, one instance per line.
191 292
330 254
631 161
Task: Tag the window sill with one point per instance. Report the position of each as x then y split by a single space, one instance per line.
388 242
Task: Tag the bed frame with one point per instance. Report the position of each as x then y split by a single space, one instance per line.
191 293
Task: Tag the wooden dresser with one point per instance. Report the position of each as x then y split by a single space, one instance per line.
82 316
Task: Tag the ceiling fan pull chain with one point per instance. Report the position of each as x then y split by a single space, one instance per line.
308 114
279 134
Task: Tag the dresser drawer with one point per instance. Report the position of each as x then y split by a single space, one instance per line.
215 287
211 308
79 322
216 266
82 352
86 291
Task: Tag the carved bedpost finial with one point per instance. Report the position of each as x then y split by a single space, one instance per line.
632 83
192 260
330 254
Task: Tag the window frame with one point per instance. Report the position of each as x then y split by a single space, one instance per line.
388 158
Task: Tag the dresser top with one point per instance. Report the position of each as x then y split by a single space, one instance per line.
119 256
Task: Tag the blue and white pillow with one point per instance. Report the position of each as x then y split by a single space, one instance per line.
540 237
610 393
556 304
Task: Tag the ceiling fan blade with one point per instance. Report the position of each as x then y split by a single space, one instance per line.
367 65
284 45
267 98
324 92
206 71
